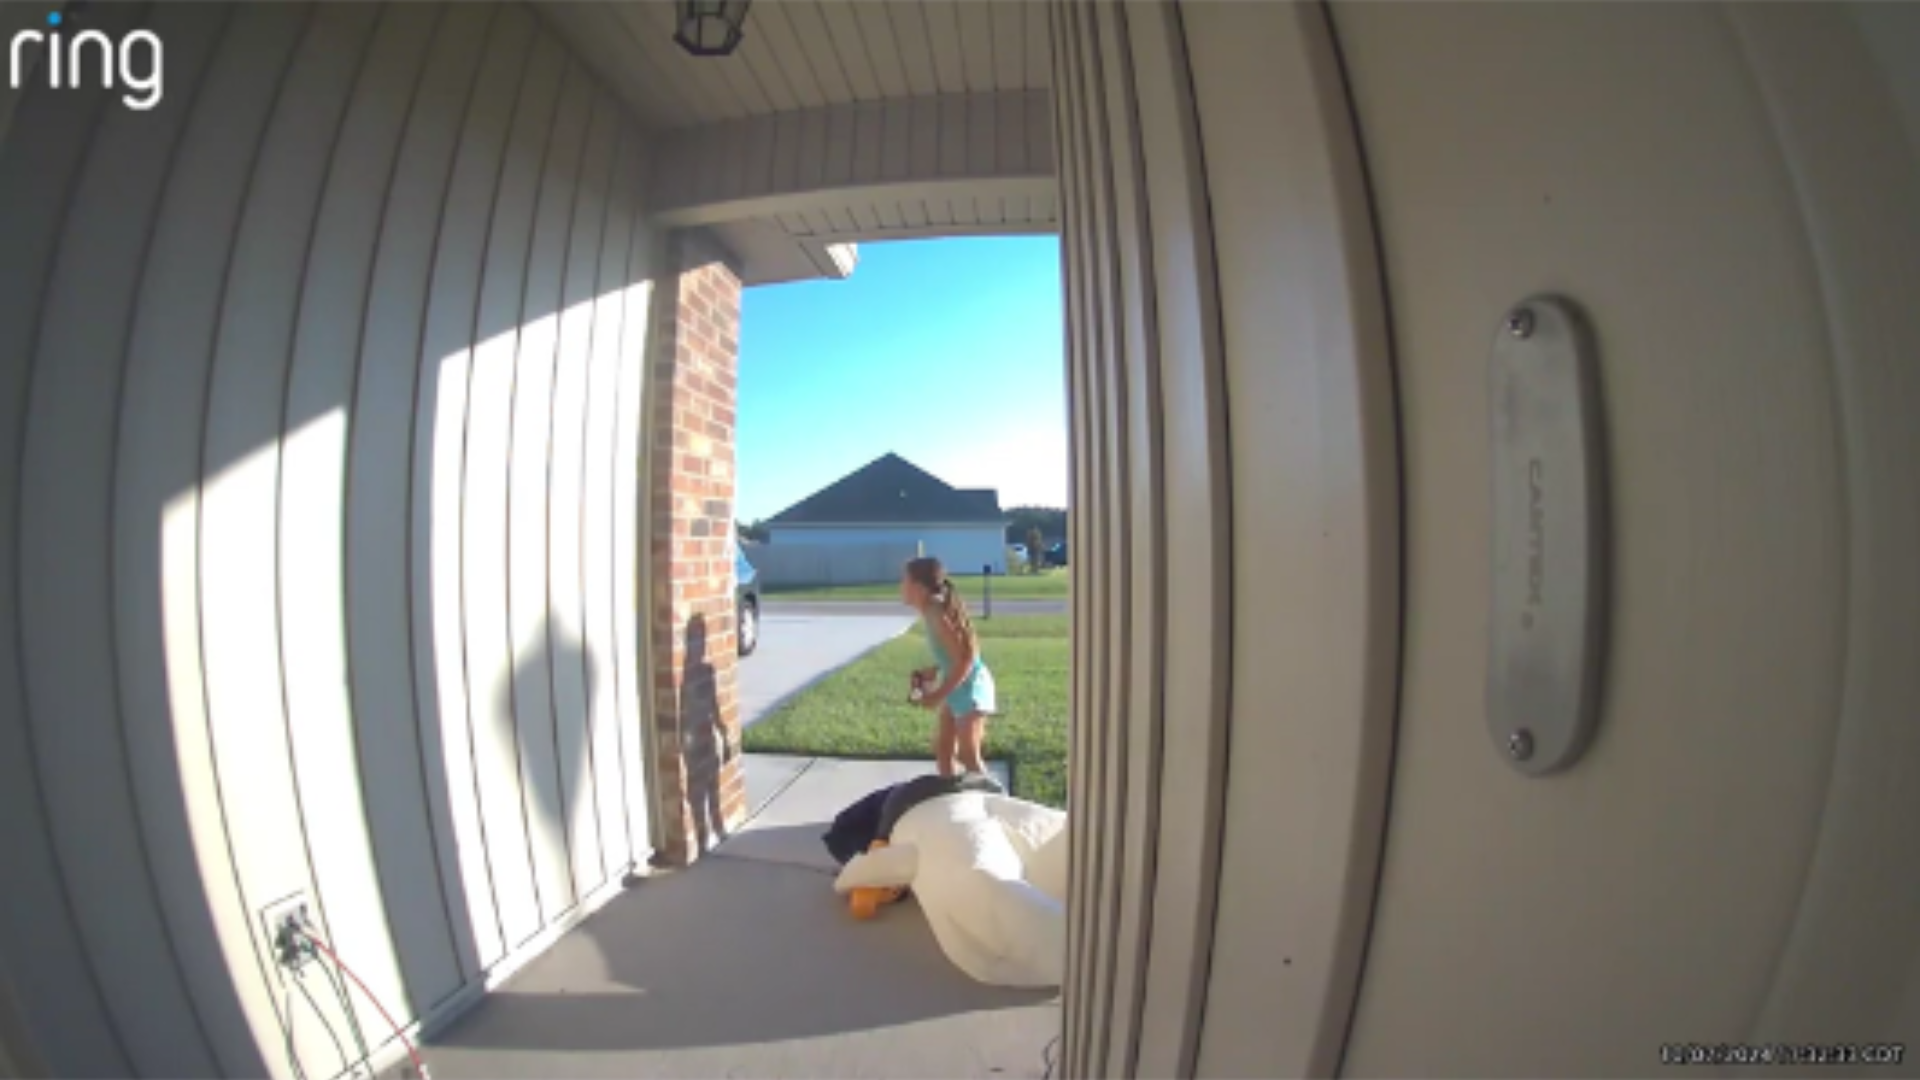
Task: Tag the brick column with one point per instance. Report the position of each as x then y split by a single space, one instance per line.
701 790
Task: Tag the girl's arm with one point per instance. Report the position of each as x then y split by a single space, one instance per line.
962 652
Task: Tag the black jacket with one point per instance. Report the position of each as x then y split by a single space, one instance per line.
873 817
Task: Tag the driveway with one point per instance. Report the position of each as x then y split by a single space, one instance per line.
801 644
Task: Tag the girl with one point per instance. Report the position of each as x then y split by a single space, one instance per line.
962 687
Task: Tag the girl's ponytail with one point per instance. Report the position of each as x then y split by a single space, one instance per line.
954 610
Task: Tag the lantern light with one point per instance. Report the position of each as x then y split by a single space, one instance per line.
711 27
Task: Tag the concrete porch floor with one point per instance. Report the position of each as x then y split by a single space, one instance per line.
747 965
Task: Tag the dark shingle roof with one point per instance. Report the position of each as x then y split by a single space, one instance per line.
893 491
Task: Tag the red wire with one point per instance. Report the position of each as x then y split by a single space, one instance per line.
419 1067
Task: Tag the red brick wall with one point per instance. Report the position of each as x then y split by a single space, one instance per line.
695 711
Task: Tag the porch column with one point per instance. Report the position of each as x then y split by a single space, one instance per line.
696 714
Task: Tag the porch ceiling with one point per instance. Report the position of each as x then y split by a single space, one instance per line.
810 54
836 122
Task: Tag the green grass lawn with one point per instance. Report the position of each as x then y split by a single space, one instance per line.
1049 585
861 710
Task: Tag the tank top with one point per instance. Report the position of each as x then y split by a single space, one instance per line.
940 655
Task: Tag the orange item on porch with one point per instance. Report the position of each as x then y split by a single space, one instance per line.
866 902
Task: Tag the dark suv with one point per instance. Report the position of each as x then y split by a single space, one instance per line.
746 598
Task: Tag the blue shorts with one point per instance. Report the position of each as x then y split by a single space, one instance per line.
973 695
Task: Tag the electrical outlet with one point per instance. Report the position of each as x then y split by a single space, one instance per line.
284 923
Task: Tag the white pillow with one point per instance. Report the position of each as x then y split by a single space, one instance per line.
883 868
1028 825
1047 866
972 884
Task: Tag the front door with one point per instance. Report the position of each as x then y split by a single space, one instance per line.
1726 193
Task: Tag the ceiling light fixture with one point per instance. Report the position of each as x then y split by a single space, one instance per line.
711 27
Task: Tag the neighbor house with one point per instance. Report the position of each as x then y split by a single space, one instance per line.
893 503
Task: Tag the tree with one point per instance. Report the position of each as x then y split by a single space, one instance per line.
1051 522
1036 551
756 532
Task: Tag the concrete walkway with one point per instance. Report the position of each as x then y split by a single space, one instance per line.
747 965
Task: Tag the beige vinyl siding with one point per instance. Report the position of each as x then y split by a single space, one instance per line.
320 413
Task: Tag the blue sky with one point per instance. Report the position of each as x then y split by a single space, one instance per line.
946 352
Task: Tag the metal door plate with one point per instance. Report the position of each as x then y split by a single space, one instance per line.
1544 655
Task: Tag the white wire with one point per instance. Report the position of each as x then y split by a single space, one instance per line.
300 984
293 1055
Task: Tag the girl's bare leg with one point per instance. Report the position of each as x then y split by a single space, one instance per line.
944 738
972 735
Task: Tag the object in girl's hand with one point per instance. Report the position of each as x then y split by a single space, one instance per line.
922 685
